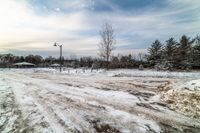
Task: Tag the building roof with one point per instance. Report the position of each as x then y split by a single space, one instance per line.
24 64
55 65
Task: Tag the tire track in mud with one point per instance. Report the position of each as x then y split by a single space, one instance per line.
65 105
84 105
56 107
166 126
48 99
159 86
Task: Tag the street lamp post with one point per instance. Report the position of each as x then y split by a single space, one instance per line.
57 45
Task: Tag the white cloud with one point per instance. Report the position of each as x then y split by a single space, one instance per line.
20 24
21 28
57 9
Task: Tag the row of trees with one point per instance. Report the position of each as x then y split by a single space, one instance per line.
120 61
7 59
184 54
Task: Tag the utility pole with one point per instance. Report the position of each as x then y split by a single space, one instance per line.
58 45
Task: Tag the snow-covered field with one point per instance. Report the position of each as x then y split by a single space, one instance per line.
85 101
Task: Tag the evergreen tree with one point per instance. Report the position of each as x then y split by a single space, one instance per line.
170 49
183 52
196 53
155 53
169 53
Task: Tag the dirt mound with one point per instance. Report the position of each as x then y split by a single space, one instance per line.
185 98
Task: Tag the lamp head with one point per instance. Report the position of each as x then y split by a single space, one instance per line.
55 44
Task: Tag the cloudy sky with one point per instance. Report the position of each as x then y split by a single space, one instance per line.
32 26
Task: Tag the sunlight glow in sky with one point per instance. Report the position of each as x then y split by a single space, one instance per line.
32 26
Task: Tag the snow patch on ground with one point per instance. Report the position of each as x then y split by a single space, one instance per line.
193 85
152 73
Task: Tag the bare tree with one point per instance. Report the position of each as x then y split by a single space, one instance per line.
107 43
141 56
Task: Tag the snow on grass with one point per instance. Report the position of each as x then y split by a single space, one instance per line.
111 73
152 73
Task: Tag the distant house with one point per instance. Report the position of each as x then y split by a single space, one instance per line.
55 65
24 65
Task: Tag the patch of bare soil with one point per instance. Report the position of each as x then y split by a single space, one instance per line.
184 101
170 128
102 127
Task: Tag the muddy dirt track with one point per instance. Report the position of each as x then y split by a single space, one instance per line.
45 102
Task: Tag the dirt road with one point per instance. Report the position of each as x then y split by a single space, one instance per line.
46 102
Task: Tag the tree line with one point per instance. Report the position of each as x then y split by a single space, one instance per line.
120 61
183 54
171 55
